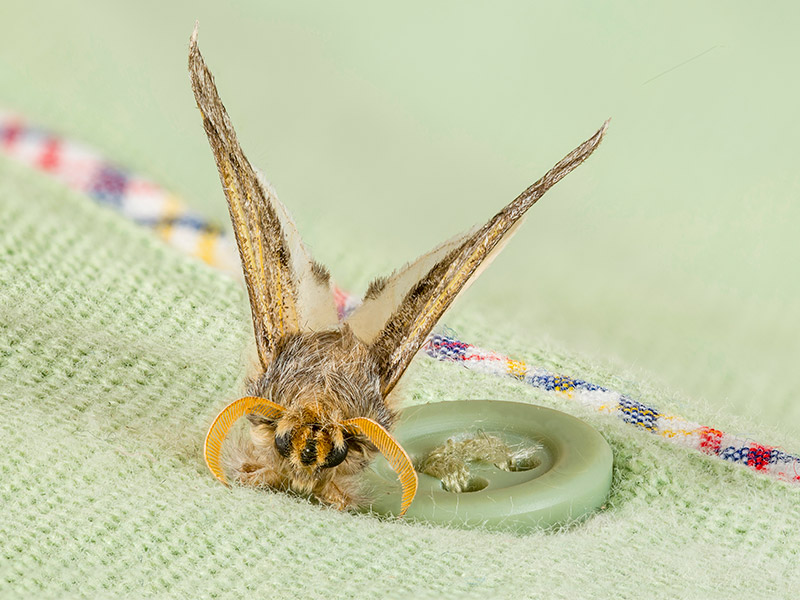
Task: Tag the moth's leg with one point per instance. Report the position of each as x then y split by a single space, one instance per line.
258 475
342 492
250 461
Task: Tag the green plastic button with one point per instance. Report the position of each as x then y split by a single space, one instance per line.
570 476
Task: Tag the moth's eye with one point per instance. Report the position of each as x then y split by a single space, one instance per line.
335 456
309 454
283 444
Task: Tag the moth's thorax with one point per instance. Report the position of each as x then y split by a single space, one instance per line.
324 377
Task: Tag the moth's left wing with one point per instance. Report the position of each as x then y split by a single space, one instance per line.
288 291
456 265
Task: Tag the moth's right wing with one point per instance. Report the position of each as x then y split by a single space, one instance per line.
288 291
385 294
415 298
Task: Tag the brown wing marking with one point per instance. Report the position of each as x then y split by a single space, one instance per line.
406 329
386 295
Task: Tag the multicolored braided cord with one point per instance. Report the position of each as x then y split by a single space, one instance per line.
144 202
676 429
84 170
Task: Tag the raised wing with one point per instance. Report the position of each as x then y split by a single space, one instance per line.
288 291
442 275
384 295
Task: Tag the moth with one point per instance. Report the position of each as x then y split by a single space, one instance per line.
322 403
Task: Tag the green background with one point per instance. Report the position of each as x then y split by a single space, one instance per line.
387 127
664 267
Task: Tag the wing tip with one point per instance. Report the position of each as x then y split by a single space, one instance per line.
600 134
195 58
590 145
572 160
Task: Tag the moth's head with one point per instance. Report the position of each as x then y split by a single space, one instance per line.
319 380
305 436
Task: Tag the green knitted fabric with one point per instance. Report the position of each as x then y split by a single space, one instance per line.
115 352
